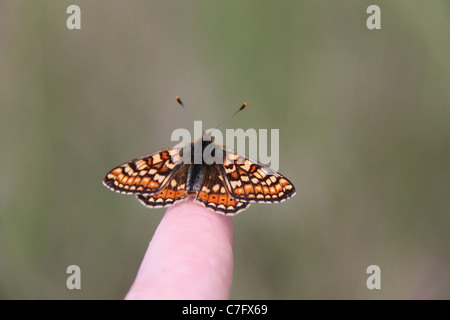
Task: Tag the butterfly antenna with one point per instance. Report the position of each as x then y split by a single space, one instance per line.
181 104
232 116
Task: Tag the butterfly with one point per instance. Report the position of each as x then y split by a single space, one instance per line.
161 179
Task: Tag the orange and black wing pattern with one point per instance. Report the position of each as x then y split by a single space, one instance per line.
159 180
145 175
174 191
247 180
214 195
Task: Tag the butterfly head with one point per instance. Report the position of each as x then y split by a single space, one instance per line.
208 136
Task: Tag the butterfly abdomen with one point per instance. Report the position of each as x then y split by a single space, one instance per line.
194 179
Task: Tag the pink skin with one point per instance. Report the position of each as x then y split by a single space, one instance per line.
189 257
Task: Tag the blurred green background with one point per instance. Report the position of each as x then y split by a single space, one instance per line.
364 135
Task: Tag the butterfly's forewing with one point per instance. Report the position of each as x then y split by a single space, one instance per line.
145 175
250 181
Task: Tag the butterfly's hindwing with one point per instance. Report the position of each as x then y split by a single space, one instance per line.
174 191
213 193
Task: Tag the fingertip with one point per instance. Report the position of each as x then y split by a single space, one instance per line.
189 257
190 212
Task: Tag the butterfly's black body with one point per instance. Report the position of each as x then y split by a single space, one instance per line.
195 177
196 171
